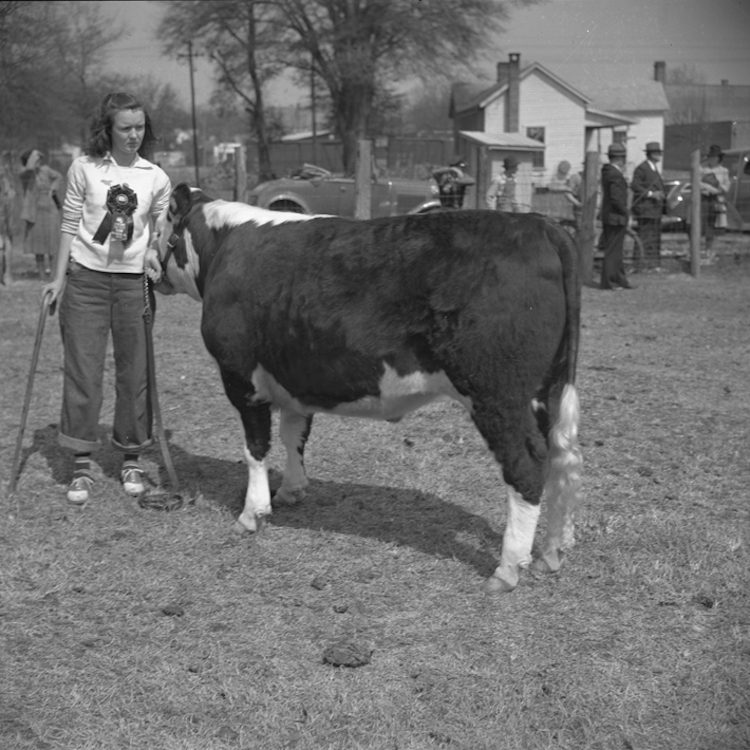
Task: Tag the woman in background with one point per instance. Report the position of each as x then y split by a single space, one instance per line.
113 198
40 210
715 185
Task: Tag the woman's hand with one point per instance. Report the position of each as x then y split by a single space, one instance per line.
152 265
53 291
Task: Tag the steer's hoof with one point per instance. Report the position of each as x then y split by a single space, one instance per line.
549 563
255 526
286 496
239 529
495 585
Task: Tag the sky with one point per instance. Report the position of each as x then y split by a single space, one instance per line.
579 40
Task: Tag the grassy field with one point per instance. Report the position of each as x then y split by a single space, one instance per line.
129 628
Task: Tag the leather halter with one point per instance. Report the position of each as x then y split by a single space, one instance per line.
174 238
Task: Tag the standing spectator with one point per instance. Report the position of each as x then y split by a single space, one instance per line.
648 203
114 196
7 199
452 182
714 187
574 195
40 210
501 194
614 218
559 181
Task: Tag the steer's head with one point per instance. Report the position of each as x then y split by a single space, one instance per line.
180 260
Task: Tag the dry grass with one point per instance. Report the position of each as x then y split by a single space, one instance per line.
642 642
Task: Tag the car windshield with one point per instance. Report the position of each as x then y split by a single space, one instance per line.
311 172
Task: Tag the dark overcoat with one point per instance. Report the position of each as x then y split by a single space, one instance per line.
646 179
614 197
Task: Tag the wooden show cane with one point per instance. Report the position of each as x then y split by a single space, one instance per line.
45 309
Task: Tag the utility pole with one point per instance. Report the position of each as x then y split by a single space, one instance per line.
192 108
312 108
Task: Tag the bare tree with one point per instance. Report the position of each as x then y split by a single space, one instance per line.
51 69
427 110
361 48
81 46
241 38
27 75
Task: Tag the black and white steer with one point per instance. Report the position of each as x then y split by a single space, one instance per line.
377 318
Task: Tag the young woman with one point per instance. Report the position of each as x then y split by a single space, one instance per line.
40 209
113 197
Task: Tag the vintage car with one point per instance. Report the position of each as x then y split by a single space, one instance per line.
679 195
314 190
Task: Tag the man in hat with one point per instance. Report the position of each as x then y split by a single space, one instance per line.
501 194
648 203
715 185
614 218
452 182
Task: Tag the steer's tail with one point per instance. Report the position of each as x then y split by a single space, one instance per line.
563 486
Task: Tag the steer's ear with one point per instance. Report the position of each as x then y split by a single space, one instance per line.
179 201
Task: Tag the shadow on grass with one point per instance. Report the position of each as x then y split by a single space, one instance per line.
394 515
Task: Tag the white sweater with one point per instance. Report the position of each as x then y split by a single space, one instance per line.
89 180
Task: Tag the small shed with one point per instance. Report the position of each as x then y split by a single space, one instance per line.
484 154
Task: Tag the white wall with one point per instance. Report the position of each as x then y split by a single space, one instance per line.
546 104
650 127
543 103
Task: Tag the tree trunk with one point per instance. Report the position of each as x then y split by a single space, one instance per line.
258 113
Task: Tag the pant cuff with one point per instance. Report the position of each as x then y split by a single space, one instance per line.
75 444
132 448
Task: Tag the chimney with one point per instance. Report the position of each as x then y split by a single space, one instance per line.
512 100
660 71
725 82
502 72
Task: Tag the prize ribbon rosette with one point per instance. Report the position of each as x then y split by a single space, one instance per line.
121 203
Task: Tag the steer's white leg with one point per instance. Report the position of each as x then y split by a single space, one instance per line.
258 496
563 486
517 542
293 431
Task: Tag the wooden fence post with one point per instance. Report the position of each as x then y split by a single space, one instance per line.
240 174
695 213
587 230
363 181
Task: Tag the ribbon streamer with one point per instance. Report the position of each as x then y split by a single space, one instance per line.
121 203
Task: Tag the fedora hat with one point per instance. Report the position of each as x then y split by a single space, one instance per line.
510 161
616 149
457 161
653 147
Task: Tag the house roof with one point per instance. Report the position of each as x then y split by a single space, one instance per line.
628 96
468 96
505 141
596 118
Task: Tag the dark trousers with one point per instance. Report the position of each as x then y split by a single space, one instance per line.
613 271
649 233
93 304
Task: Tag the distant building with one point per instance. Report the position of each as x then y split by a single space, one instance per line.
533 114
643 103
700 115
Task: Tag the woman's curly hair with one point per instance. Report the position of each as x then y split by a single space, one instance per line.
100 138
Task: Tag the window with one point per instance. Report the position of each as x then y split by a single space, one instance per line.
537 157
